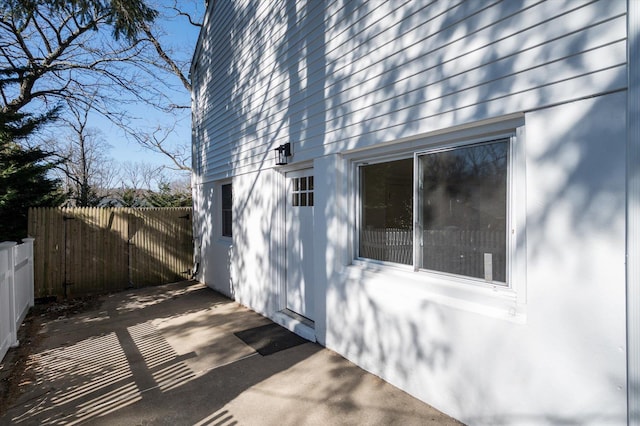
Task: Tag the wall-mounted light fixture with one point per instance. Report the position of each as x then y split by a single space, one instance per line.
283 153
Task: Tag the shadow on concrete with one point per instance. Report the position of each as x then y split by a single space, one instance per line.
168 355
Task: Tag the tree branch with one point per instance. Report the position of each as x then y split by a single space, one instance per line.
181 13
170 62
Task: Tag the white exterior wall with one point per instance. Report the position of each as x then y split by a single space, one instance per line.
562 357
212 251
342 79
270 72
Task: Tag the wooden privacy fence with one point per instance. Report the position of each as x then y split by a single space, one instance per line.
93 250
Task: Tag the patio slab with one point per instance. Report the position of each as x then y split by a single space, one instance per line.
170 355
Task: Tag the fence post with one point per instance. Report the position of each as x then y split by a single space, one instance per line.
9 246
31 278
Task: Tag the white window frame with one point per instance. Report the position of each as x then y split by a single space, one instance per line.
506 301
358 206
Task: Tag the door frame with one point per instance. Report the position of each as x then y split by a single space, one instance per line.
305 308
279 250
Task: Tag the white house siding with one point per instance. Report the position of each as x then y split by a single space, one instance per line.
564 360
213 253
272 68
340 79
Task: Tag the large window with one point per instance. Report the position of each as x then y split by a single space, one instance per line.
226 210
460 197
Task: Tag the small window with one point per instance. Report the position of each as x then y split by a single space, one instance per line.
302 191
226 210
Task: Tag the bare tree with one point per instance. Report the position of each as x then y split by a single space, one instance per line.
162 137
139 175
54 51
143 184
160 140
104 55
88 173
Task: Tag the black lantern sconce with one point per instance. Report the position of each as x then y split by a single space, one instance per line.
283 153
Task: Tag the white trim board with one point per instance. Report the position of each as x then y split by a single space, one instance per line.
633 212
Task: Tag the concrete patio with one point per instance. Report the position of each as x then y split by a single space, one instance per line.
169 355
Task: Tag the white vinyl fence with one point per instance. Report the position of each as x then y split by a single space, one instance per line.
16 290
455 251
388 244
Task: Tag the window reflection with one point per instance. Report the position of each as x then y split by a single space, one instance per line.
463 206
387 211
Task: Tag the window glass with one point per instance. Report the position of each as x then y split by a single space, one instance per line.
302 191
227 204
387 211
463 210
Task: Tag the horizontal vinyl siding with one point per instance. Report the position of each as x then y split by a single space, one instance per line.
235 124
525 61
373 72
209 65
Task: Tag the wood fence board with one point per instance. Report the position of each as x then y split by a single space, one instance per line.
107 249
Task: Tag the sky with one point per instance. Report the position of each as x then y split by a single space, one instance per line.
180 36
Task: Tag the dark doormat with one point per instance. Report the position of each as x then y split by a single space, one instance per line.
269 339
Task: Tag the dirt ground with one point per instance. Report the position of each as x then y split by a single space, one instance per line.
17 369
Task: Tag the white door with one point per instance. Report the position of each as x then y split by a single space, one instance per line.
299 220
